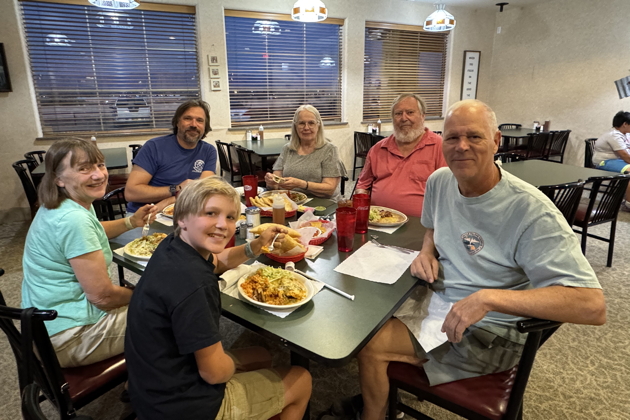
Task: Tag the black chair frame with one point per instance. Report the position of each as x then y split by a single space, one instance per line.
557 145
506 157
362 144
226 163
23 171
589 150
112 204
36 155
566 197
135 148
538 331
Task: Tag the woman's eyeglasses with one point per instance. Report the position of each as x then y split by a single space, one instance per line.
309 124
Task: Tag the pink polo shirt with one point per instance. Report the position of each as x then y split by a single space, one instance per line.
399 182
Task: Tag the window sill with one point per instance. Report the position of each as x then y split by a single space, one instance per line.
282 126
86 136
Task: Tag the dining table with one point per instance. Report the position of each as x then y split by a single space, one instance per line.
115 158
266 148
516 134
544 172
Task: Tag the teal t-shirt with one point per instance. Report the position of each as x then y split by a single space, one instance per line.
55 237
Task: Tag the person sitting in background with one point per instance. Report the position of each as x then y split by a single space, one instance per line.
396 168
497 249
308 163
612 150
176 361
67 257
164 165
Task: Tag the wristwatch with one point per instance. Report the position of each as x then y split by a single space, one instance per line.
173 190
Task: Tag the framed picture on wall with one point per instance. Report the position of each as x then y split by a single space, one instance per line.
5 80
214 73
470 74
216 84
213 60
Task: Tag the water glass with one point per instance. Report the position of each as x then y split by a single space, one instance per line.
250 186
346 222
361 202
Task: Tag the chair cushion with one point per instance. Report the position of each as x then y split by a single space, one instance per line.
580 214
85 382
487 395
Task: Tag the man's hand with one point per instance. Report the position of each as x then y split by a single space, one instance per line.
140 217
463 314
267 236
425 267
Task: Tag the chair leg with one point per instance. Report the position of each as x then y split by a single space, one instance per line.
584 236
611 244
393 400
354 168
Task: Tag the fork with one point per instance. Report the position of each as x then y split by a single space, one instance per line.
397 248
145 229
272 242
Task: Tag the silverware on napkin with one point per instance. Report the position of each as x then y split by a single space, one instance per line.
380 245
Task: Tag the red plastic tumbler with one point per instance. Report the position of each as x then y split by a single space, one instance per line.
361 202
346 222
250 186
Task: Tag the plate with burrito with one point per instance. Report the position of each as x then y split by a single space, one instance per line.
275 288
386 217
144 247
168 210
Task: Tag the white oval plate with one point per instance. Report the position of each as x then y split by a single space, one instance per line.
241 191
167 208
310 292
303 200
389 224
134 256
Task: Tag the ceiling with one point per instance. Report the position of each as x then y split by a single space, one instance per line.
483 4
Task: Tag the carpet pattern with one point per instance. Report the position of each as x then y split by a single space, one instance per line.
581 373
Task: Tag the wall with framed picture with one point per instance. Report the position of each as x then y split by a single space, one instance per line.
470 74
5 80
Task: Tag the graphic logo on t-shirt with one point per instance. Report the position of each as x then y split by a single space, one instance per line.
473 242
198 166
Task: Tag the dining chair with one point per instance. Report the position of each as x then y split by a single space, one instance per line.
557 145
362 144
31 409
344 178
506 157
112 206
566 197
536 146
509 141
603 205
22 169
509 126
227 164
247 166
135 148
67 389
37 155
497 396
589 149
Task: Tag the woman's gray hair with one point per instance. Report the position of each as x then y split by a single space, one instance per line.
192 199
294 144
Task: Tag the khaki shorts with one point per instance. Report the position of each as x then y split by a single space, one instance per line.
258 394
81 346
479 353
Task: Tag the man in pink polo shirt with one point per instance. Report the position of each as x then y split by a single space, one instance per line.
396 168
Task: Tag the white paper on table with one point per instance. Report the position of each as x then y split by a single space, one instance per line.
121 252
313 251
166 221
380 265
389 230
229 280
424 313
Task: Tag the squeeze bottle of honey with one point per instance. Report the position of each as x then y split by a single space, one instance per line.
278 209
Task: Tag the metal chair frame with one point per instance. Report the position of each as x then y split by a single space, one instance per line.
507 157
226 163
37 155
537 145
566 197
247 166
362 144
557 145
514 381
509 126
23 171
135 148
607 193
589 150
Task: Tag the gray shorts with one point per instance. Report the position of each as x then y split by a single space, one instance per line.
479 353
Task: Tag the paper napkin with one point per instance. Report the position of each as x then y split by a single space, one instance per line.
380 265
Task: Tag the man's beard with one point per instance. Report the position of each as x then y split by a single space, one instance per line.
191 137
410 136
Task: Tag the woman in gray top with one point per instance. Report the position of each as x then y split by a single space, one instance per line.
308 163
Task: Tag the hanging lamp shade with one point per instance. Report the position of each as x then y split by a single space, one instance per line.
309 11
115 4
440 20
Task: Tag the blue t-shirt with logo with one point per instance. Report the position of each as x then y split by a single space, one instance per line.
170 164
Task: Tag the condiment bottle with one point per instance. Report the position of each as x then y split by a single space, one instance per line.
378 126
249 135
261 133
369 130
93 138
278 209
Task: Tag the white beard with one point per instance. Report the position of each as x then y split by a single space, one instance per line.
410 136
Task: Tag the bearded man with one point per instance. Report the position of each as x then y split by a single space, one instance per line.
396 168
166 164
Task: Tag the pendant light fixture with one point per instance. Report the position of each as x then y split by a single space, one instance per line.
440 20
115 4
309 11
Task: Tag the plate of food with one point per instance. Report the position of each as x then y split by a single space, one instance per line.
275 288
297 197
386 217
168 210
324 230
241 191
144 247
267 201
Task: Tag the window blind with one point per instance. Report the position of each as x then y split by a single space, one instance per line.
402 59
276 64
109 71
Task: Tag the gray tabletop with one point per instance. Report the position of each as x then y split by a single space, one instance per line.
517 132
544 172
330 329
267 147
115 158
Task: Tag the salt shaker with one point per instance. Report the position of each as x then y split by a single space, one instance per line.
249 135
369 130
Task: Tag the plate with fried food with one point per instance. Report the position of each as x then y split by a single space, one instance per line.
324 230
144 247
296 197
386 217
169 210
275 288
290 247
266 204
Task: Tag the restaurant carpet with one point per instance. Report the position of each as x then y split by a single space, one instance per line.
582 372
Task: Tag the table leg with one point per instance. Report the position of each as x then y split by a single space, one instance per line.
121 275
299 360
